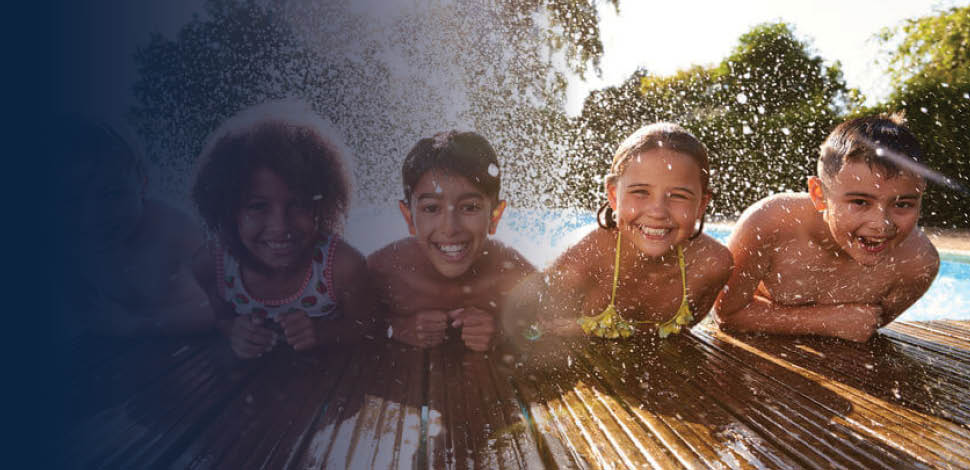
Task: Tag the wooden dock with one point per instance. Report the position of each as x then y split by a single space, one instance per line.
699 400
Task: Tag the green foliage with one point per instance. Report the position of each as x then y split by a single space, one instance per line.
933 48
931 78
762 112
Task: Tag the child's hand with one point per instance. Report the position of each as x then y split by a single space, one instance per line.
865 319
299 330
423 330
561 327
249 338
477 327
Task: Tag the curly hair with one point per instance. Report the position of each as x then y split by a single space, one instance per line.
656 135
286 139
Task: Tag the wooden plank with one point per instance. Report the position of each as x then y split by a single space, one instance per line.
894 426
664 385
957 347
331 440
773 401
157 419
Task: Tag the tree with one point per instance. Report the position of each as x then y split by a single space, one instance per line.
930 70
384 80
762 112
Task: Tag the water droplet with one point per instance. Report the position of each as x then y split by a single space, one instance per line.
786 131
742 98
493 170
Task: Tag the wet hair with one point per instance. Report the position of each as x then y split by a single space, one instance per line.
459 153
87 146
657 135
285 138
862 140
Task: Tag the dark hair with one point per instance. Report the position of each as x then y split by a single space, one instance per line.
657 135
862 140
461 153
286 140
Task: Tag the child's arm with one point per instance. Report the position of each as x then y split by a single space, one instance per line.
714 267
914 281
479 326
421 328
562 287
741 308
247 337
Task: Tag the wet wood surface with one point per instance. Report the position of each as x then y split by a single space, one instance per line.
704 399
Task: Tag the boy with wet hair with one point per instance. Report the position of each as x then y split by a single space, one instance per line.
127 263
448 274
844 259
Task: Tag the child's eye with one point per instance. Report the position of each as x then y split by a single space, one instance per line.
859 202
256 206
905 204
679 196
430 209
470 208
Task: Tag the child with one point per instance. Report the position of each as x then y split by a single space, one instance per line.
273 189
649 267
448 272
844 259
129 256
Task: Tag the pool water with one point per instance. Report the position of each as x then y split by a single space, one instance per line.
541 235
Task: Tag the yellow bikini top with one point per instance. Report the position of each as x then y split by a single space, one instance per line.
610 324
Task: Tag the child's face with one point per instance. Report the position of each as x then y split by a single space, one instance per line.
110 208
276 225
658 200
451 220
868 214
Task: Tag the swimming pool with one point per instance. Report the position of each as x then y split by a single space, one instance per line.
541 235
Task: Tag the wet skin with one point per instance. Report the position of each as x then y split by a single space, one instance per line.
840 261
658 200
448 273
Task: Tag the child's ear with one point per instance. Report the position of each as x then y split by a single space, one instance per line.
496 216
705 200
611 192
406 213
816 193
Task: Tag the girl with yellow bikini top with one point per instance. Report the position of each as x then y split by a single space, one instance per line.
657 192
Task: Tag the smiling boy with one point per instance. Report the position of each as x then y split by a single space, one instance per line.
844 259
448 272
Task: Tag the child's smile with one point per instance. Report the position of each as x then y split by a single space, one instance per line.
869 214
451 220
658 199
275 225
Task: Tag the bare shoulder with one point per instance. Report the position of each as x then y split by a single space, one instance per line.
347 260
774 218
598 243
918 258
393 256
709 254
508 258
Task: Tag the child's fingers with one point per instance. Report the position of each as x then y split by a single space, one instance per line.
456 313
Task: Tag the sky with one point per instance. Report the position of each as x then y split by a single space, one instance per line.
668 36
661 36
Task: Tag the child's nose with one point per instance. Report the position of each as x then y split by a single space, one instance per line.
451 225
882 220
656 207
277 218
